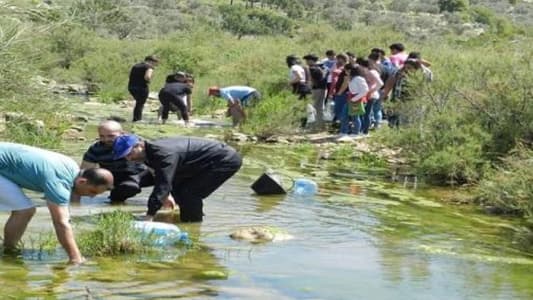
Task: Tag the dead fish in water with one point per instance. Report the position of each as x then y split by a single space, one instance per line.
260 234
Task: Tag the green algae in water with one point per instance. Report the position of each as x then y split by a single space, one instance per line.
360 199
476 257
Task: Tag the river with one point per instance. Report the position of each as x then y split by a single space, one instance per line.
361 237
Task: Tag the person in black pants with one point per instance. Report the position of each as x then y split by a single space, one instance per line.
140 76
189 168
174 92
130 177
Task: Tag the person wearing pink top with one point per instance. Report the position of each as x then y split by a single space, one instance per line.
398 55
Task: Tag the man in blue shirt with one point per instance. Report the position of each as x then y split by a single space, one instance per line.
61 181
237 97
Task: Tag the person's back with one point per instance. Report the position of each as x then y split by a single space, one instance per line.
38 170
176 88
192 154
102 155
137 78
239 92
318 77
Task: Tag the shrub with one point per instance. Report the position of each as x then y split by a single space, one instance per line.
114 234
508 187
273 115
241 21
453 5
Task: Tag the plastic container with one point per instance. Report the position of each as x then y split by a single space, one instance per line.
268 184
311 113
329 111
163 234
305 187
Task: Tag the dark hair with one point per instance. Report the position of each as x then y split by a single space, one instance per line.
413 63
342 56
291 60
330 53
350 54
414 55
397 46
95 176
378 51
348 66
363 62
152 58
357 71
373 56
171 78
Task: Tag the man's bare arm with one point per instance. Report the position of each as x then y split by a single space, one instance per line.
61 219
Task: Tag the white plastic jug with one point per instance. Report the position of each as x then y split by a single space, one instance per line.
305 187
311 114
329 112
164 234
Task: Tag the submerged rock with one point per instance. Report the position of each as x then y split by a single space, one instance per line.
260 234
211 274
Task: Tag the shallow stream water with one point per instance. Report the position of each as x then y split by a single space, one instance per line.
359 238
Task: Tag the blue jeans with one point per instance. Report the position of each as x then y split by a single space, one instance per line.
376 110
346 127
366 117
340 103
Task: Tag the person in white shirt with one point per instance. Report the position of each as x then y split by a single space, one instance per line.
297 77
375 83
357 96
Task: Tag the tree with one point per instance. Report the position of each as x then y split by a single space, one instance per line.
453 5
240 21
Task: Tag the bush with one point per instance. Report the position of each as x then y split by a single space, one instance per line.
273 115
453 5
241 21
508 187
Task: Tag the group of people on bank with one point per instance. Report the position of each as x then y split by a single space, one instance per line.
182 170
356 87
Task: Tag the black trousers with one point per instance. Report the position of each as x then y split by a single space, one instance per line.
140 94
189 192
166 99
127 185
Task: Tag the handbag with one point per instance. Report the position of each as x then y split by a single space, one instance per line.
356 109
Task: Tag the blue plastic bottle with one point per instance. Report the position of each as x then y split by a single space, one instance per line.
305 187
163 234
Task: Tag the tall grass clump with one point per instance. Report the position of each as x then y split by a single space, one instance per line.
114 234
274 115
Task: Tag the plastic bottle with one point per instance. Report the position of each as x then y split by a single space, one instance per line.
163 234
305 187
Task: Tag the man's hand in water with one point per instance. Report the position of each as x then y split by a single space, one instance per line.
169 203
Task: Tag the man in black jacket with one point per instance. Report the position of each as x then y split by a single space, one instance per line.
140 76
189 168
129 176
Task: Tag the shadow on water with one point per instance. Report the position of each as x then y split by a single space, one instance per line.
359 238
